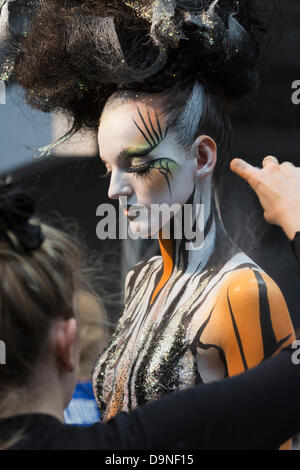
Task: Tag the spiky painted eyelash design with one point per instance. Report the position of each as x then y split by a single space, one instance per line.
160 164
154 136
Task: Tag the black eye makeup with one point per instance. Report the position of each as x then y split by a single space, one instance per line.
164 166
140 170
140 166
153 136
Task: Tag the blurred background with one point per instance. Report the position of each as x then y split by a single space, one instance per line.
68 183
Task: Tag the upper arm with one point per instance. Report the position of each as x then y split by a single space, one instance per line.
254 320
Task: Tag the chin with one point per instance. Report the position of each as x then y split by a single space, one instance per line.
144 230
140 230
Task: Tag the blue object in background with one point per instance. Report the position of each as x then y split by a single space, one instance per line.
83 408
22 129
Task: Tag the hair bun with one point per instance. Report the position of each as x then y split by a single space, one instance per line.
16 210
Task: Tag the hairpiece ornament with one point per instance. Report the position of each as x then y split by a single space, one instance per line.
161 15
16 210
207 32
173 20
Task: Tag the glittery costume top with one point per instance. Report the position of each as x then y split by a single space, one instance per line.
191 317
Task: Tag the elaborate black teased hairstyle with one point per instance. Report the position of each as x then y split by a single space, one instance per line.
78 53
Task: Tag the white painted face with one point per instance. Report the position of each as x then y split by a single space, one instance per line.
145 162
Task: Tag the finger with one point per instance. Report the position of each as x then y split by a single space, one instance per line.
288 164
245 170
268 160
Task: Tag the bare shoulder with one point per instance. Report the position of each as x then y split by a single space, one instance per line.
251 282
248 292
253 300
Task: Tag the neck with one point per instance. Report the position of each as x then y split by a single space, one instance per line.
44 398
194 232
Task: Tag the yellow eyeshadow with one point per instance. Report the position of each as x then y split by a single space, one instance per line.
136 161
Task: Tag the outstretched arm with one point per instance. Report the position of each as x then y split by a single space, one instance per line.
255 410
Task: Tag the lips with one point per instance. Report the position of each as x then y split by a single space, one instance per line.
132 212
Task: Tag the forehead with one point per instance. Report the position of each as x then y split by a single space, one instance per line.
123 126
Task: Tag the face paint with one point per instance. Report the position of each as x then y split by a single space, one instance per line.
165 166
152 136
144 160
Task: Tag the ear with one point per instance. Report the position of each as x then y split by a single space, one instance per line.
204 150
65 340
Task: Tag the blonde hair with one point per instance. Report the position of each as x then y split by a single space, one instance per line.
36 288
94 331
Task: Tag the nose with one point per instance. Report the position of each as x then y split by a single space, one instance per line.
119 186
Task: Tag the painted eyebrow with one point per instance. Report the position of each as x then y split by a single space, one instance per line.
152 136
127 153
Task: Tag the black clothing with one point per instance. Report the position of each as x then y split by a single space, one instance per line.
259 409
296 248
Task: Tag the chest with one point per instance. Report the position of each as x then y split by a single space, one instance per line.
154 350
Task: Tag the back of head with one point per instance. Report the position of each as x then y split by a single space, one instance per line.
41 269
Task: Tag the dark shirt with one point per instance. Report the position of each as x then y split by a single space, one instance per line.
296 248
259 409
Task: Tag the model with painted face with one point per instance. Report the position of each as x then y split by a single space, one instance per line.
191 316
158 79
144 160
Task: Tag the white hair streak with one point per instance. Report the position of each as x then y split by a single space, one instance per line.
188 123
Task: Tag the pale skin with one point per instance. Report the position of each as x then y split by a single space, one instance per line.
52 385
124 128
278 189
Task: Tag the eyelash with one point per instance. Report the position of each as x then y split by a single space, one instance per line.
137 171
140 171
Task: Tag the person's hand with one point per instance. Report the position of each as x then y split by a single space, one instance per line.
278 189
